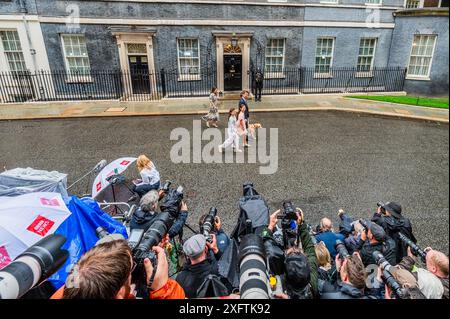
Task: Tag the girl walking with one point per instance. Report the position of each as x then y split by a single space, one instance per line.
241 124
233 138
213 115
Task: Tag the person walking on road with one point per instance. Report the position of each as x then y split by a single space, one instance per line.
233 138
243 103
213 115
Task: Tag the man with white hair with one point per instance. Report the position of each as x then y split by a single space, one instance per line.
328 236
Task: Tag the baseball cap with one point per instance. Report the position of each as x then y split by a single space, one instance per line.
377 231
194 246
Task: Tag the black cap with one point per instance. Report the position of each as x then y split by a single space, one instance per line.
298 272
377 231
393 208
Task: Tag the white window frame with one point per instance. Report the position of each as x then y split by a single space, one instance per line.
21 52
421 77
189 77
319 74
75 78
420 4
380 3
329 1
276 75
370 72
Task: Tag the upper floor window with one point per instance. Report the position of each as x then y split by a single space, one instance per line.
188 58
324 55
366 54
377 2
274 62
421 56
76 55
13 50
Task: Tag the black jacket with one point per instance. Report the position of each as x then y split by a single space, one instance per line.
339 290
366 250
192 276
143 220
393 226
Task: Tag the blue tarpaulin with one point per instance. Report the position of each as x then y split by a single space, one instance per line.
79 229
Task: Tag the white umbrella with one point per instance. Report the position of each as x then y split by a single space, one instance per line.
26 219
113 168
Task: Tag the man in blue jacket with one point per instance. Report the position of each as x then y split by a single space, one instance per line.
328 236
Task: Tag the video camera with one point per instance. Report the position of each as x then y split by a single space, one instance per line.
415 249
208 224
32 267
387 274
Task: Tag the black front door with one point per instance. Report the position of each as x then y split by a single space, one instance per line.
139 74
232 72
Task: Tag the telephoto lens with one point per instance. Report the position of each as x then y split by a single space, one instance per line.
364 224
387 274
253 276
415 249
104 236
33 266
208 224
341 249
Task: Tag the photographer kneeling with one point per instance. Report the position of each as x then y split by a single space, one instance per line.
104 272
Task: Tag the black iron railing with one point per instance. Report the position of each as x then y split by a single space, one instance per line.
154 85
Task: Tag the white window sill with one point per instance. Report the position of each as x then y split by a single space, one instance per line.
322 76
195 77
79 79
373 4
329 2
364 75
275 76
417 78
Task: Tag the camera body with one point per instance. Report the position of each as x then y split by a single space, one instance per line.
381 204
363 223
208 224
289 212
415 249
341 249
387 275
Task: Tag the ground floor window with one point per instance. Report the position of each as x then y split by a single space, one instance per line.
76 55
188 58
13 50
274 63
421 55
366 54
324 56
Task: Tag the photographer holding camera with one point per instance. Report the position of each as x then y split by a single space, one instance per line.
105 272
200 265
145 215
222 238
389 216
373 238
301 267
351 277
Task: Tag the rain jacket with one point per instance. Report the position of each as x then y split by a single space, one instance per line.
340 290
366 250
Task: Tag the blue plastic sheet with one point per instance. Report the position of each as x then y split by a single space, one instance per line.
79 229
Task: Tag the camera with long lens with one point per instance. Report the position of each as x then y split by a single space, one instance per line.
32 267
387 274
415 249
381 204
364 224
289 211
208 224
253 276
341 249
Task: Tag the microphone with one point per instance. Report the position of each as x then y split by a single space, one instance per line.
100 165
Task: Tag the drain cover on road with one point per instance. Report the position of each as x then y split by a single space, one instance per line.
116 109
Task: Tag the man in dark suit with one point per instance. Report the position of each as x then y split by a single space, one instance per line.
243 101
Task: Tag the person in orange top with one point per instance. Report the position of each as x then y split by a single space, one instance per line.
104 272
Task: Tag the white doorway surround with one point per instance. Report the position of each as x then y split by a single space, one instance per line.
224 39
126 37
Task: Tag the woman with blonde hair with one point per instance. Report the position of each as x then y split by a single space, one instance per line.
326 271
149 176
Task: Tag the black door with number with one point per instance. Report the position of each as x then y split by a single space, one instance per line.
232 72
139 74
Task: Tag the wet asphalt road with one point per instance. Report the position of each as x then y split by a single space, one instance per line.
327 161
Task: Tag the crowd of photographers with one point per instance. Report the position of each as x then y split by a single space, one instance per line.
276 255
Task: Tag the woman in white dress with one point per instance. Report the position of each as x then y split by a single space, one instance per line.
213 115
233 138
